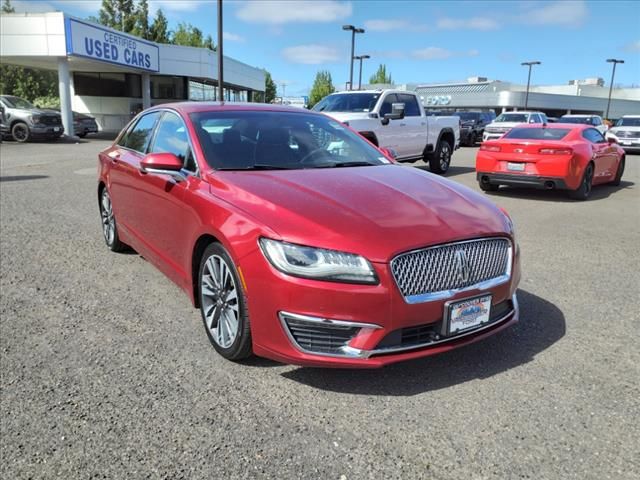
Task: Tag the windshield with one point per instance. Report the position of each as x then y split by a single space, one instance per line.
512 117
538 133
575 120
348 102
17 102
245 140
628 122
466 115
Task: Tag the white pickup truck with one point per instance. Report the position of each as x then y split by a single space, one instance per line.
395 119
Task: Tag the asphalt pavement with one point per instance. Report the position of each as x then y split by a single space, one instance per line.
106 371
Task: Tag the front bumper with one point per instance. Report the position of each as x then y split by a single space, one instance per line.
46 131
377 312
515 180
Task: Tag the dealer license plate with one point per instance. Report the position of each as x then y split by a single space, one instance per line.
516 167
56 129
468 314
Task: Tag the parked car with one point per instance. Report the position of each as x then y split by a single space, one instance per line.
594 120
395 119
84 124
626 133
302 242
506 121
24 121
558 156
472 125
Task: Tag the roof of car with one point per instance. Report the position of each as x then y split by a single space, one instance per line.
582 115
192 107
524 112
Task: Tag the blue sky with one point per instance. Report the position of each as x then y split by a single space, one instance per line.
419 41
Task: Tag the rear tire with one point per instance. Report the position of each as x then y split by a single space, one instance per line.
584 190
223 304
488 187
441 159
20 132
619 172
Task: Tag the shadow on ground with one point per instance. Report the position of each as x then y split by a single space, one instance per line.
452 172
599 192
541 325
18 178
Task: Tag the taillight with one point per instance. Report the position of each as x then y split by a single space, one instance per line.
490 148
555 151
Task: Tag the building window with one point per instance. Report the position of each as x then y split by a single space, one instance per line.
172 88
107 84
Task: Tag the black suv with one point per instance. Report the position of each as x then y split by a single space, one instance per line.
472 125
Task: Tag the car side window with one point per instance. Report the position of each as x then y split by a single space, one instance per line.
593 135
172 137
139 136
411 108
386 104
596 121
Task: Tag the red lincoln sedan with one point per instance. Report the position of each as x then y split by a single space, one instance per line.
558 156
302 242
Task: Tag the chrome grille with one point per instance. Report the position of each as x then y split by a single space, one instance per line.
422 275
627 134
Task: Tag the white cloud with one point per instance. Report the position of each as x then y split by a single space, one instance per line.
233 37
395 54
475 23
385 25
287 11
572 13
437 53
311 54
633 47
432 53
183 6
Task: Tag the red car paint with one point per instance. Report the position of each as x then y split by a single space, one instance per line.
562 162
375 211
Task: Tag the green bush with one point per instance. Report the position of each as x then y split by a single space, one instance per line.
48 101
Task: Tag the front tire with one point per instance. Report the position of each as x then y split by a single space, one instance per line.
619 172
584 190
223 304
109 226
20 132
440 161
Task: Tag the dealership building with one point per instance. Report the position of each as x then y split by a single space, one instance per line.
110 75
577 96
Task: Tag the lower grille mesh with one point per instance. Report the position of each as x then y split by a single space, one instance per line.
320 338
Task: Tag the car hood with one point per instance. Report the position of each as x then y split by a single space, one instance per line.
503 125
376 211
347 116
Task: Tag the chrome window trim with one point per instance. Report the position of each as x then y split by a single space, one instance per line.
433 296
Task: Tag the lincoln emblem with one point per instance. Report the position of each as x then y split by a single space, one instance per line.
462 266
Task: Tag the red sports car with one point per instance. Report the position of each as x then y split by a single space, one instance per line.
301 242
558 156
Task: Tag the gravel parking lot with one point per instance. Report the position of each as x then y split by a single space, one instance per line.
106 371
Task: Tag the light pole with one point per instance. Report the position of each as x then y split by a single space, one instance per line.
526 98
613 74
354 30
361 57
220 56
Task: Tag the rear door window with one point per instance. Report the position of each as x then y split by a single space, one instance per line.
139 136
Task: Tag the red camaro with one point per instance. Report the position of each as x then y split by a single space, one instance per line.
563 156
302 242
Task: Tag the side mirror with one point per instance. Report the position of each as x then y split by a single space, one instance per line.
397 113
389 152
163 164
611 140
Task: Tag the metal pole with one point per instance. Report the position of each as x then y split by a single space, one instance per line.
526 97
353 44
360 76
220 56
613 74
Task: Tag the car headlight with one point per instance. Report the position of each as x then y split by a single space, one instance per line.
35 119
318 263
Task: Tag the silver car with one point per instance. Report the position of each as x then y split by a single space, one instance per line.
23 120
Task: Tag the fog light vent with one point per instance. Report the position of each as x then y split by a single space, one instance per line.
316 335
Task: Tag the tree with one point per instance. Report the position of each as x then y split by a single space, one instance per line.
118 14
141 26
322 86
381 75
269 88
190 36
7 7
158 32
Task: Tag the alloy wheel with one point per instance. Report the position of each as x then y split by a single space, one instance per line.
220 303
108 222
588 180
445 156
20 132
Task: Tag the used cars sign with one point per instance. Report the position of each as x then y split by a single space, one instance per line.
92 41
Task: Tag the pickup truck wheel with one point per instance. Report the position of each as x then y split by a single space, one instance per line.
441 160
20 132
